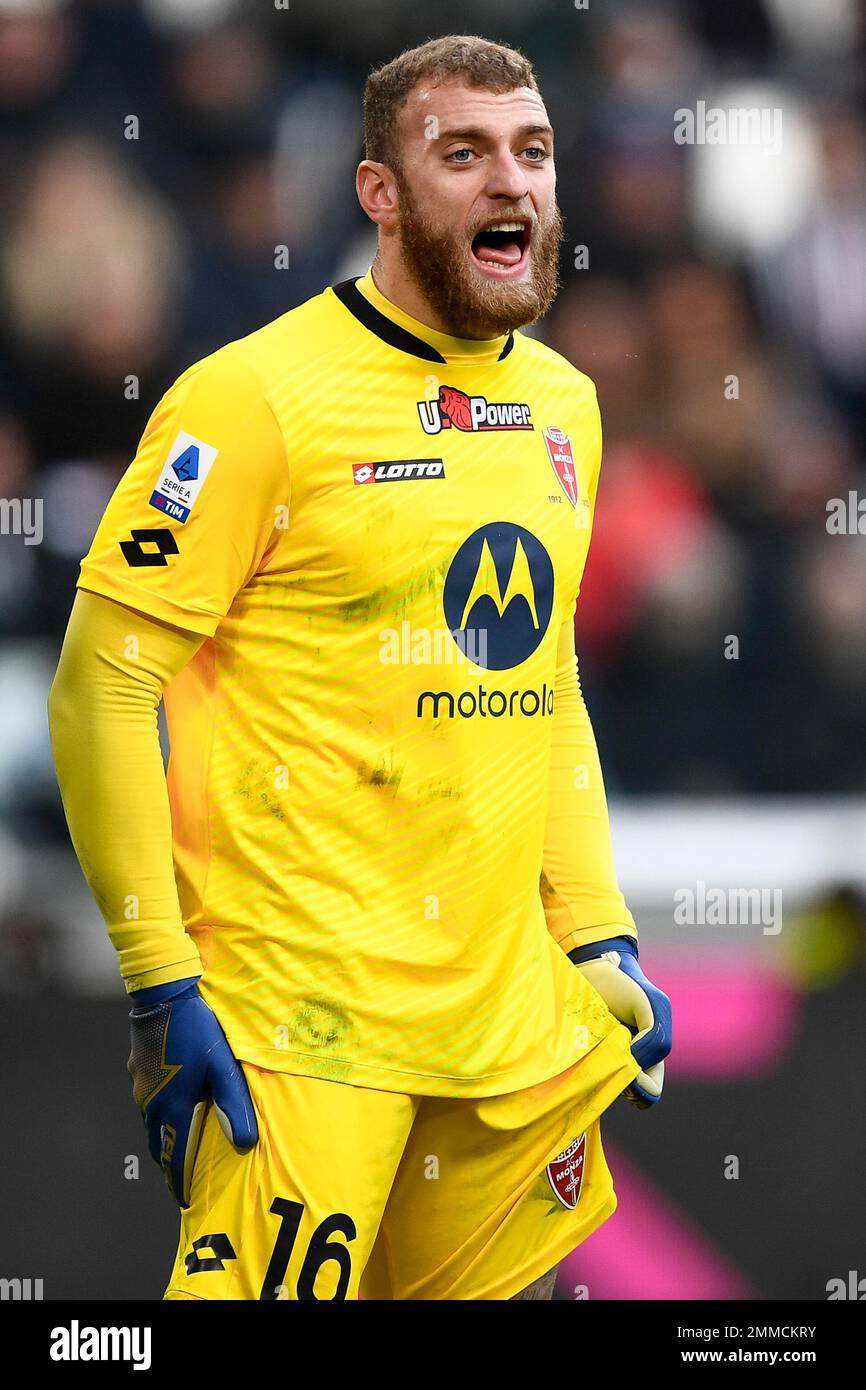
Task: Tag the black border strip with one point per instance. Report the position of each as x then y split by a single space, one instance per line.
392 333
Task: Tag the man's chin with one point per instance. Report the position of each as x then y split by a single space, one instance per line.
474 303
492 306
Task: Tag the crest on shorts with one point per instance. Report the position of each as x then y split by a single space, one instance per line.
565 1172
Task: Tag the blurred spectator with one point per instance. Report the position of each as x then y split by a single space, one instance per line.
814 284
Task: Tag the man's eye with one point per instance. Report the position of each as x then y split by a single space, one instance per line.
538 150
454 153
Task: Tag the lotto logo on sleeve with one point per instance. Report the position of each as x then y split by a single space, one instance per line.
182 476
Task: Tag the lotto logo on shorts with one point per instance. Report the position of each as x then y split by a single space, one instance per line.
400 471
565 1172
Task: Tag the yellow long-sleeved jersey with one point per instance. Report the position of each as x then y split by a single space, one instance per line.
349 549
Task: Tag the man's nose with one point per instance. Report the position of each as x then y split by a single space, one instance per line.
505 178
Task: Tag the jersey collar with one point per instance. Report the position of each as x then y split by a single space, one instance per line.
393 325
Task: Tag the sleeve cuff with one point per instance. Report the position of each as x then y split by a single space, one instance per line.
165 974
586 936
152 605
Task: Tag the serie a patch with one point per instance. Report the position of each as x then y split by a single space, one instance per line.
182 476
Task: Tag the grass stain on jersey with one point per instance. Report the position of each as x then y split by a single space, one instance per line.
255 786
437 791
318 1026
392 599
383 776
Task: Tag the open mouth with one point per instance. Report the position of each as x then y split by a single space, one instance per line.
502 247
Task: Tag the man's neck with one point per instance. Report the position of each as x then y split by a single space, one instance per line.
401 290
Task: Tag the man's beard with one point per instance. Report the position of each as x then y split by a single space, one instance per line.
439 260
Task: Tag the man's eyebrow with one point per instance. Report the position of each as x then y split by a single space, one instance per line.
476 133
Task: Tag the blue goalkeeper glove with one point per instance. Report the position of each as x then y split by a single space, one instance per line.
612 968
179 1060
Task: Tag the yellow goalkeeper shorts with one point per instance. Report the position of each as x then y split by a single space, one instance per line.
352 1191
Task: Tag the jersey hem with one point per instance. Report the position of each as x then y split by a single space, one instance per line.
408 1082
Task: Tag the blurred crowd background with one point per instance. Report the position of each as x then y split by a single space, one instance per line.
154 153
132 257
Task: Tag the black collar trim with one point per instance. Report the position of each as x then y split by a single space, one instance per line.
392 333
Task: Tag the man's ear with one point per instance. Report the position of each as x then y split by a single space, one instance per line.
377 193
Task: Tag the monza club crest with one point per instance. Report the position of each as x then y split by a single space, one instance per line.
558 447
565 1172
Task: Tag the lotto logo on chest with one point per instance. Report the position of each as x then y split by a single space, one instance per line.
397 471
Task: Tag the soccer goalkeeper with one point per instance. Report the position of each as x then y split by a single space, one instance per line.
347 556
